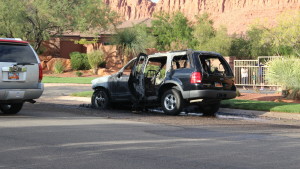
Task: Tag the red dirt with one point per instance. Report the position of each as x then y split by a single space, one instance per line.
265 97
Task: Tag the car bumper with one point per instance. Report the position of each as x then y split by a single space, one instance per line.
21 94
209 94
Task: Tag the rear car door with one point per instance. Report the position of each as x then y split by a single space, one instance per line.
217 74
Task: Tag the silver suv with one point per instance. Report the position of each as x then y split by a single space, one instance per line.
21 75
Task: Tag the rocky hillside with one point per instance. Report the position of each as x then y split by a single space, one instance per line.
132 9
236 15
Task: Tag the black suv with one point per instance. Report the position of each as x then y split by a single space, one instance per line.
171 80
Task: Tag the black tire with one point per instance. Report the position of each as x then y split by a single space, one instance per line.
100 99
172 102
12 108
209 109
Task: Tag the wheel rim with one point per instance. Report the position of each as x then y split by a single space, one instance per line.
170 102
100 100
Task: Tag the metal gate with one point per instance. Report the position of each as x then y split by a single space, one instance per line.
252 72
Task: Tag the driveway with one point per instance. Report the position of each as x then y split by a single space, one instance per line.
59 93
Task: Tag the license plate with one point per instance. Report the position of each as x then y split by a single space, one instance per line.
13 76
217 84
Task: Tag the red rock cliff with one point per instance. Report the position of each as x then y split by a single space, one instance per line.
236 15
132 9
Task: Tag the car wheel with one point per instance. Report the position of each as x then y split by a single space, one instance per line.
12 108
172 102
209 109
100 99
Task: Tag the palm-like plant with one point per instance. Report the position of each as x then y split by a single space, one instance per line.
131 41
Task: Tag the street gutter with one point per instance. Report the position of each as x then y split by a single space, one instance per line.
260 114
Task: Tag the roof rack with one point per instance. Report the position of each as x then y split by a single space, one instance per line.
186 50
178 51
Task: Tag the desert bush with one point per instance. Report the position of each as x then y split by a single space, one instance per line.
286 73
78 73
238 93
95 59
58 67
79 61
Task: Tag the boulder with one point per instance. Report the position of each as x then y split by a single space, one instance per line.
44 65
45 58
66 63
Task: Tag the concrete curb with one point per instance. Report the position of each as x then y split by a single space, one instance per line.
66 84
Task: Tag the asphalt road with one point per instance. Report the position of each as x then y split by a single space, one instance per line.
65 136
48 136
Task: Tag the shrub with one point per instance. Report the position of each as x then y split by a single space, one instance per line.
285 72
238 94
79 74
95 59
79 61
58 67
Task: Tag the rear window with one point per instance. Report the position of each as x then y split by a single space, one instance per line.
19 53
215 65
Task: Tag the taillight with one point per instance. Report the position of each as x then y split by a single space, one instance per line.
196 77
40 73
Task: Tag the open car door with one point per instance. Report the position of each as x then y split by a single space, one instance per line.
136 81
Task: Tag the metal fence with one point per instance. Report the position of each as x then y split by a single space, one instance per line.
252 72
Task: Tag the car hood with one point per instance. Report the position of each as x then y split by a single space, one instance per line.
101 81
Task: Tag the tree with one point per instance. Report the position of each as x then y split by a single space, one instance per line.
285 37
240 47
37 20
207 38
203 30
258 47
171 28
132 41
250 45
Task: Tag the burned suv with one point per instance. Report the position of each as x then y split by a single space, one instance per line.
171 80
20 77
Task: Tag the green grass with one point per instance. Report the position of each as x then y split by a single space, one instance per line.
261 105
79 80
83 94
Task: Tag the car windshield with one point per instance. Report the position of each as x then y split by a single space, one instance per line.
17 53
214 65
